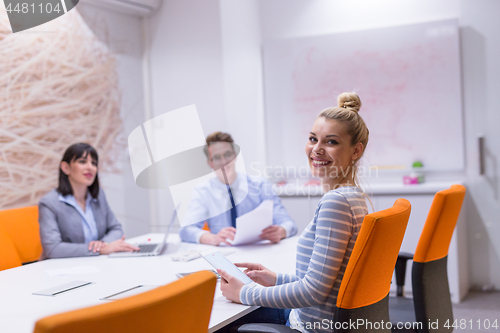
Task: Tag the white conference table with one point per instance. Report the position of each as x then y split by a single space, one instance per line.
19 309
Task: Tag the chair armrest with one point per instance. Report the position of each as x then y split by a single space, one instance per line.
403 258
264 328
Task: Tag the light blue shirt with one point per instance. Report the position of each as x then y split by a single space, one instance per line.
210 198
88 221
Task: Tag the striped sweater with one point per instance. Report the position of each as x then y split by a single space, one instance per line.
323 251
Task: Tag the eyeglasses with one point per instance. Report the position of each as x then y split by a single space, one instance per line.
228 155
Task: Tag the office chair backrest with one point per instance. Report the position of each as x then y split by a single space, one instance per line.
182 306
21 224
365 286
431 292
8 254
436 236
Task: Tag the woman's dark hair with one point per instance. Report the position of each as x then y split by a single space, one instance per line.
74 152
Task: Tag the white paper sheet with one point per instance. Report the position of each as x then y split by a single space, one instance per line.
72 271
250 225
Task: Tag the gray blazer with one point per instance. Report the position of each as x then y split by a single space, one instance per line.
61 229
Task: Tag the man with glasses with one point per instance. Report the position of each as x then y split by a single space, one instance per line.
208 198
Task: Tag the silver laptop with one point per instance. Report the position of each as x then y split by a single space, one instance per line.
149 249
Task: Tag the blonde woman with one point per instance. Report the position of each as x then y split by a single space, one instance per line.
335 144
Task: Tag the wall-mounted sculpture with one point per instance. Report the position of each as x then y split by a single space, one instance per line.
57 87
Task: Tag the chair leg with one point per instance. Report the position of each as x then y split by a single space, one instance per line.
401 275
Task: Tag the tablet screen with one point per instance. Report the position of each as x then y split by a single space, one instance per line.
220 262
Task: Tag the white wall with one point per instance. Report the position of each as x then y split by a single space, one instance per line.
481 84
122 33
243 84
286 19
186 68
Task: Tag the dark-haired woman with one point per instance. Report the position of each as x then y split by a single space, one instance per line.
75 218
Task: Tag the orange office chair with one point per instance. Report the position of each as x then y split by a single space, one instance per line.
206 227
182 306
21 225
431 292
364 291
8 254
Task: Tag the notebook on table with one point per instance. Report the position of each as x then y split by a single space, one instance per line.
149 248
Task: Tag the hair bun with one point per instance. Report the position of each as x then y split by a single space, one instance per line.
349 100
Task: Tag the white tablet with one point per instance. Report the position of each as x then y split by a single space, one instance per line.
220 262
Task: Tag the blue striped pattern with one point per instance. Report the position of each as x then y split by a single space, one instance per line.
323 250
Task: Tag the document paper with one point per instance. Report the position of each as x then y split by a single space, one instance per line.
250 225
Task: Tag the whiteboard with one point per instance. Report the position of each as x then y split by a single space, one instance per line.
408 79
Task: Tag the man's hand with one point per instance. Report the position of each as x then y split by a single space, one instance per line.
274 233
118 246
220 237
259 273
230 286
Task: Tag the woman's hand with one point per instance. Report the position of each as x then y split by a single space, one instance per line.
220 237
259 274
274 233
230 286
118 246
95 246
